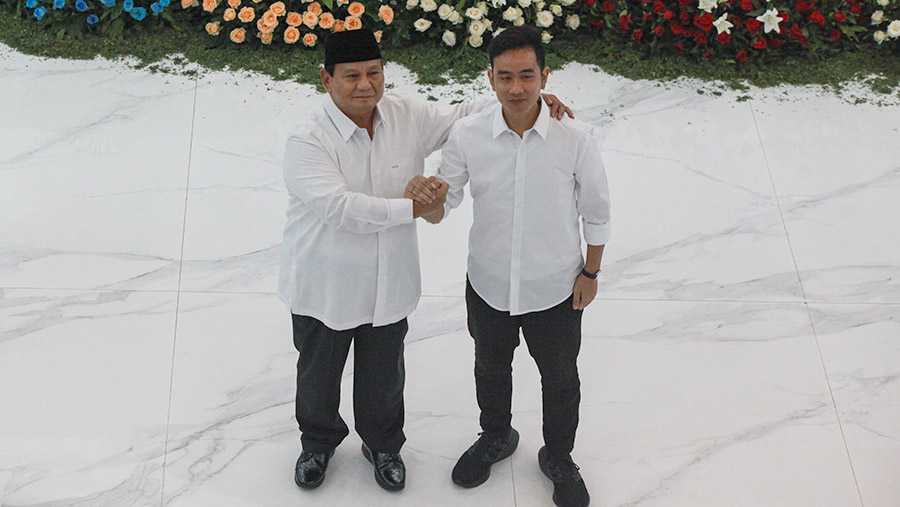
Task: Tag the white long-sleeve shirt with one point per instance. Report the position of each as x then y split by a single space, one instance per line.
524 246
350 253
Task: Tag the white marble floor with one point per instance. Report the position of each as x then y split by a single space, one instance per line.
744 349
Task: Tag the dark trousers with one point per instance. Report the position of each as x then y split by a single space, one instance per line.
378 379
553 337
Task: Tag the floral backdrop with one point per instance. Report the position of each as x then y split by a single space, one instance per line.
735 30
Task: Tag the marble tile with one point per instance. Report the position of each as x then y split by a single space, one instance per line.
861 349
233 438
687 404
92 176
85 396
836 168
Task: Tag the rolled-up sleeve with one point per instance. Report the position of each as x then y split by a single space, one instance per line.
314 178
592 194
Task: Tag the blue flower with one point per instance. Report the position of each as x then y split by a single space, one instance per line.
39 12
59 4
139 13
127 5
164 3
93 19
156 8
31 4
81 6
108 3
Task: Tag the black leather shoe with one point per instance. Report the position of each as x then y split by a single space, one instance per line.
390 472
568 487
474 466
309 473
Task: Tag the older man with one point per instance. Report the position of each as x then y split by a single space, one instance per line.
350 267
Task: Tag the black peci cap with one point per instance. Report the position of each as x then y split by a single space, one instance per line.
351 46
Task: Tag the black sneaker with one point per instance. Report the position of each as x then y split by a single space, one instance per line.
474 466
568 487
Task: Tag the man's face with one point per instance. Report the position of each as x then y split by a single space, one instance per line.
355 87
518 80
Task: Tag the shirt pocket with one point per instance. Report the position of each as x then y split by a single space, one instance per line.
399 172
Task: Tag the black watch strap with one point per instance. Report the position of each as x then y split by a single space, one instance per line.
592 276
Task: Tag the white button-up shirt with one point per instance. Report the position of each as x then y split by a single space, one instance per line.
350 254
525 248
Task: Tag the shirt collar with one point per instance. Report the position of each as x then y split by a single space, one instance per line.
346 127
541 124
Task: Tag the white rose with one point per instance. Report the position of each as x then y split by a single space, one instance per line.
475 41
893 30
567 2
707 5
519 21
877 17
546 37
444 11
473 13
455 17
539 5
449 38
411 4
884 3
573 22
422 24
487 23
498 3
879 36
544 19
476 28
556 9
524 3
512 14
498 31
429 5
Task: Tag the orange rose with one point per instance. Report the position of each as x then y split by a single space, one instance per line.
269 18
326 21
278 8
315 8
352 23
386 14
234 4
377 35
310 19
210 5
310 39
291 35
338 26
356 9
266 38
229 14
238 35
212 28
186 3
294 19
265 27
247 14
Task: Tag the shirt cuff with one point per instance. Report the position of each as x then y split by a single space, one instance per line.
400 211
595 234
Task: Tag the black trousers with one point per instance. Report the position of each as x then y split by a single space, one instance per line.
378 379
553 337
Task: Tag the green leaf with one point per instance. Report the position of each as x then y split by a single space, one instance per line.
329 4
460 5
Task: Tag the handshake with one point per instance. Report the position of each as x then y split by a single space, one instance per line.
428 196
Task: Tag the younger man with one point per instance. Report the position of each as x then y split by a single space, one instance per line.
531 179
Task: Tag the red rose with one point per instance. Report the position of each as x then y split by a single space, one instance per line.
840 17
676 28
835 34
741 56
785 17
856 8
776 43
607 6
658 7
647 16
645 1
589 3
684 3
705 54
689 32
737 21
703 21
796 31
659 31
760 43
679 47
669 15
817 18
624 21
637 34
723 38
598 23
804 6
802 40
685 18
701 39
753 26
747 5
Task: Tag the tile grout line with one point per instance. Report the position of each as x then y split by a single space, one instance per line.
512 475
187 189
806 305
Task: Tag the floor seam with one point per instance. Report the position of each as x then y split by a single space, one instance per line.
806 304
187 189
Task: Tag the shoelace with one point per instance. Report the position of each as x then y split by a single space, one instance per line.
564 470
487 449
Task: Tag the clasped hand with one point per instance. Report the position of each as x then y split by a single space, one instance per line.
428 195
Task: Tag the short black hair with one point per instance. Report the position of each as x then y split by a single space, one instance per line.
517 37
